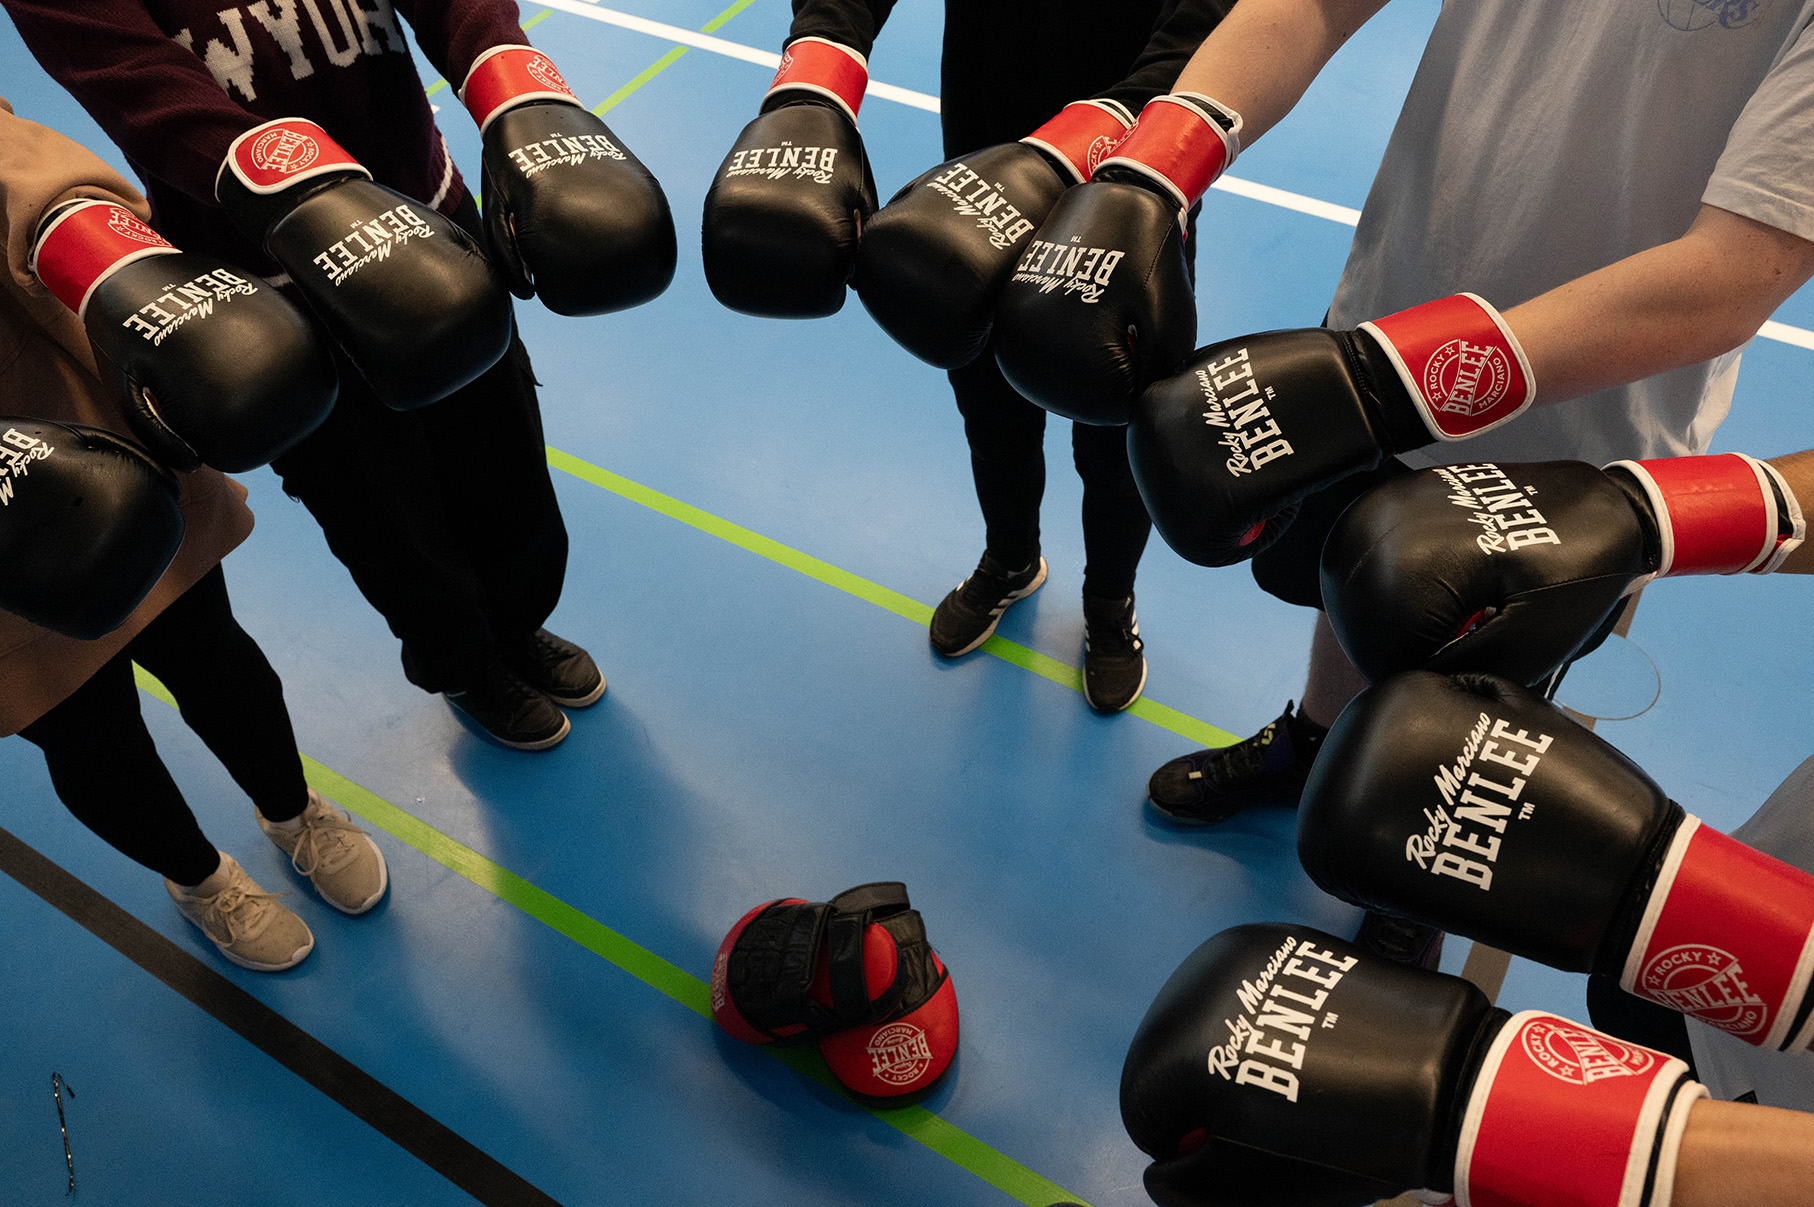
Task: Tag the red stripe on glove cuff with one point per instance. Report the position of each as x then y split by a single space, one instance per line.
1716 515
1176 144
507 76
1082 135
1460 362
1728 937
826 68
272 157
87 243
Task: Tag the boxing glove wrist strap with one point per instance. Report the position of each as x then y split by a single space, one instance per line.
1460 364
823 68
507 76
1081 135
1727 936
282 153
1724 514
1565 1116
1181 143
83 243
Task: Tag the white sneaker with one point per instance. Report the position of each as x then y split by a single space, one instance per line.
245 922
346 866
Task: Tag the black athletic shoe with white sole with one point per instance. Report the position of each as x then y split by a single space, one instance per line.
510 711
1213 785
965 618
557 668
1114 669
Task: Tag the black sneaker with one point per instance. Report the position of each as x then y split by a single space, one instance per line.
965 618
1213 785
512 712
1114 671
1400 940
558 669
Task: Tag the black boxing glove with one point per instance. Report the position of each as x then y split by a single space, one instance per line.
405 293
214 366
1282 1067
787 207
1101 305
934 259
570 214
1509 569
88 524
1225 450
1472 804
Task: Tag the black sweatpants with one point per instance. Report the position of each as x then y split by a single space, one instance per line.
106 769
445 516
1008 66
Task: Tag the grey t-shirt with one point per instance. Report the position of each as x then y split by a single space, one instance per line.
1730 1067
1544 139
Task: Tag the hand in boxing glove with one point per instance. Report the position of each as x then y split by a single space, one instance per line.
1225 450
934 259
406 294
1472 804
1280 1066
215 366
88 524
785 212
856 973
1508 569
570 214
1101 304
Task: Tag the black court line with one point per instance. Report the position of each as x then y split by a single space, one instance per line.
387 1112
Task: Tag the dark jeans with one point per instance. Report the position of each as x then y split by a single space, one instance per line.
445 516
106 769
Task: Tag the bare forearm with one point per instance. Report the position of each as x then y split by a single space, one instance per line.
1797 470
1264 54
1737 1153
1674 305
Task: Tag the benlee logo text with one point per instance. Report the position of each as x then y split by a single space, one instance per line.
17 452
778 163
1491 496
974 197
372 240
1232 398
1071 267
163 315
1435 850
1286 999
559 149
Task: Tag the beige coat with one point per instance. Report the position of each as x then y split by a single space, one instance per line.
47 371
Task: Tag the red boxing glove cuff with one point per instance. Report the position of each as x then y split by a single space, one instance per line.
1182 141
824 68
1728 937
1719 514
1565 1116
1082 135
507 76
85 243
1460 363
284 152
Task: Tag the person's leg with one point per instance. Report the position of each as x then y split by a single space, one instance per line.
1006 434
1331 681
1115 532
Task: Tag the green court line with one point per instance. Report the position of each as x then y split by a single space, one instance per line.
667 60
1040 664
915 1122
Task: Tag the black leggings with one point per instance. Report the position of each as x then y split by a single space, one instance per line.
1007 459
106 769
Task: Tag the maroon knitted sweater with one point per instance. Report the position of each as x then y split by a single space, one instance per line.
173 82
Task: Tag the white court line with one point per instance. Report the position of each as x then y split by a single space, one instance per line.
1798 336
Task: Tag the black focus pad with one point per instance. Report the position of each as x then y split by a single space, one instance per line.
852 911
771 969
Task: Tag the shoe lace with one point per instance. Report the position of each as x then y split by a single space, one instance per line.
238 906
326 843
1240 762
983 589
1117 633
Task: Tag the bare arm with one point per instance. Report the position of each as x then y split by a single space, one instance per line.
1797 470
1264 54
1734 1152
1676 304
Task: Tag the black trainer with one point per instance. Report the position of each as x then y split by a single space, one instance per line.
1114 670
558 669
512 712
965 618
1213 785
1401 940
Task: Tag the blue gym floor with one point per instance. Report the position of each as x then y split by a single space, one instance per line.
762 514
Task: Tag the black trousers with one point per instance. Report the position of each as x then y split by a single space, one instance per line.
445 516
106 769
1000 78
